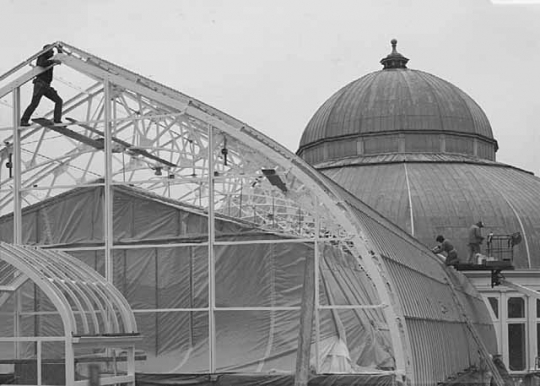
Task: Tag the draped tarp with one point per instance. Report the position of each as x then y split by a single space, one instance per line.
266 380
168 286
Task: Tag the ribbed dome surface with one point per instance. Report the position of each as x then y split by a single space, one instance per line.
431 195
396 100
397 110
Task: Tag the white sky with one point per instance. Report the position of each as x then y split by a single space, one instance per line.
272 63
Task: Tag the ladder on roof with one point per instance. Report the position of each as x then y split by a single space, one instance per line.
499 381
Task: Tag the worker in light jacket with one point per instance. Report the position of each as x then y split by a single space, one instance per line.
475 239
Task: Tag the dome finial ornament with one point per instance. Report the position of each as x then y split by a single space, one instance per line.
394 59
394 44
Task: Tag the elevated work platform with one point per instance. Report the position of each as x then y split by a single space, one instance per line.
499 257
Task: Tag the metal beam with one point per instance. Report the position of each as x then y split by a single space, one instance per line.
17 168
108 196
211 257
306 324
520 288
26 77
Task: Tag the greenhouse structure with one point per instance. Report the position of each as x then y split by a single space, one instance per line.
154 239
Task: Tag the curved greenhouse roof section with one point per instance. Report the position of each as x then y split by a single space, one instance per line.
397 110
130 133
409 190
85 301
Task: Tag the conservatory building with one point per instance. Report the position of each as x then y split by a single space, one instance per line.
230 259
422 152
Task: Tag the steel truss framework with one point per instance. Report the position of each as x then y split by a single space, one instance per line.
198 155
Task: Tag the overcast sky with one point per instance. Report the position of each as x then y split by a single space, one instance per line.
272 63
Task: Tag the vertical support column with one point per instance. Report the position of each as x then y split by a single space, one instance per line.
306 324
69 360
211 261
107 189
17 207
38 362
503 309
108 193
131 364
17 216
317 245
530 334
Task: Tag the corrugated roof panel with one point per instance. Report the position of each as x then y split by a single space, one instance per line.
432 361
434 323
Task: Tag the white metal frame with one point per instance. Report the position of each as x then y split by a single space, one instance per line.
84 300
518 283
195 138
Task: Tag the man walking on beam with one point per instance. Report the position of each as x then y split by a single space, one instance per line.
42 87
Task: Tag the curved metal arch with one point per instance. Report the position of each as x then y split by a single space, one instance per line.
11 254
75 293
61 281
57 273
120 301
101 298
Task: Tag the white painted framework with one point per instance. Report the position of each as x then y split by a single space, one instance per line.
200 156
517 284
93 312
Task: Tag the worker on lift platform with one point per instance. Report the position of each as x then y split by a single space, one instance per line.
475 239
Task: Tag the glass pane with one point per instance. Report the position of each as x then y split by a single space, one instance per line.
516 307
494 303
516 346
537 308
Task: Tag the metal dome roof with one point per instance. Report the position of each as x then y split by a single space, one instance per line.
408 190
396 100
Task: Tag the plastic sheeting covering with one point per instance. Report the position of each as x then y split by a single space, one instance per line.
266 380
168 287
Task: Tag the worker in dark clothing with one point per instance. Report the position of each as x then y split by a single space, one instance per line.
448 248
42 87
475 239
